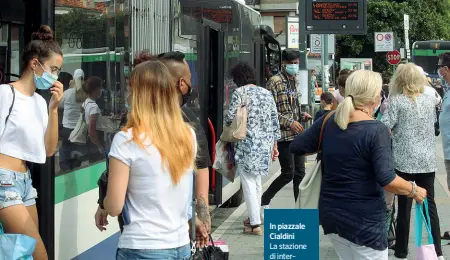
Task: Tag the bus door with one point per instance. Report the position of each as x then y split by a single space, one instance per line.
211 95
18 19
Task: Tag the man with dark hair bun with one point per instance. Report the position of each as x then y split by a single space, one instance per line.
285 90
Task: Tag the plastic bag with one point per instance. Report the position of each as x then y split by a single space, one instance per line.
223 163
424 252
16 246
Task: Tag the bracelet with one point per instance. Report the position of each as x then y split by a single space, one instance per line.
413 189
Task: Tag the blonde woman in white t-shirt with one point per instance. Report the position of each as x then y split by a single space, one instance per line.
150 170
28 133
71 104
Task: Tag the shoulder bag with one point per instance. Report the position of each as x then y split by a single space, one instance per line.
10 108
310 186
79 133
237 131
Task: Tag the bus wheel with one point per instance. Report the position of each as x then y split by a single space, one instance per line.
236 199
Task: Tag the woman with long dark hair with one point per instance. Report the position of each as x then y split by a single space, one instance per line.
28 133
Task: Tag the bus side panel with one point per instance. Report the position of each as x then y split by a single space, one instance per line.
76 196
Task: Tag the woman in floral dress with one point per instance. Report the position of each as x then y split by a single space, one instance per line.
254 154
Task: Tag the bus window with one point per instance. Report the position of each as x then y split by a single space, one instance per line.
93 76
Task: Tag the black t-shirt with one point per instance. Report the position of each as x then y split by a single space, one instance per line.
203 160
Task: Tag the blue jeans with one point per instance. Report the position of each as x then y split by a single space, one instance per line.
16 188
180 253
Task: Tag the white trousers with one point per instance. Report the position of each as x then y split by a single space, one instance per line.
347 250
252 188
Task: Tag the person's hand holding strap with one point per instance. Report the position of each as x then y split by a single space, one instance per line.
417 193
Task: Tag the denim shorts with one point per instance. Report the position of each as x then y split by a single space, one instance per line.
180 253
16 188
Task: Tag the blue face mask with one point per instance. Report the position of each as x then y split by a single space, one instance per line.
292 69
45 81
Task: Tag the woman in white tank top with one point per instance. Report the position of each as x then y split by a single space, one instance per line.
28 133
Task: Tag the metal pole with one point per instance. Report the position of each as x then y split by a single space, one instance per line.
322 61
303 77
325 63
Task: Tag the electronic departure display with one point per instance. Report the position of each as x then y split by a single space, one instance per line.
335 11
215 15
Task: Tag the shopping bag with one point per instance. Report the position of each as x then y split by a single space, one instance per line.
16 246
223 162
309 190
424 252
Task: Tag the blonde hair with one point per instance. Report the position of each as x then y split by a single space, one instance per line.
361 88
407 80
156 115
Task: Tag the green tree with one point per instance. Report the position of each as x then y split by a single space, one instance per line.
429 20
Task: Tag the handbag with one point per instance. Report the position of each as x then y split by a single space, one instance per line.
79 133
309 189
16 246
238 129
222 162
424 252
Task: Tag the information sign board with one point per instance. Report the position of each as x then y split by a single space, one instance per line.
336 16
316 44
292 35
384 41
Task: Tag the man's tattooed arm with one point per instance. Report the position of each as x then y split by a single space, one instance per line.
203 212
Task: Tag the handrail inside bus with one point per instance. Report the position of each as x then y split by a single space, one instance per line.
213 153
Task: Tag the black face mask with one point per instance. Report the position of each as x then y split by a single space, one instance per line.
187 95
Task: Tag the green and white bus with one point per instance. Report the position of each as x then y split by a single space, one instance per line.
426 54
100 37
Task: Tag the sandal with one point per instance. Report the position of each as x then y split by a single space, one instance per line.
247 222
253 230
446 235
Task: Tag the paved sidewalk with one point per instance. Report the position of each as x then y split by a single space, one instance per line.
250 247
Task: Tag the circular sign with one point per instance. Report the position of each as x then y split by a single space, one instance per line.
317 43
388 37
393 57
380 37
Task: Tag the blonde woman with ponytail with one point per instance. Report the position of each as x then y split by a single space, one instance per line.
150 169
357 168
71 104
411 116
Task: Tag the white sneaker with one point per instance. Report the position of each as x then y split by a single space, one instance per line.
262 212
441 258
